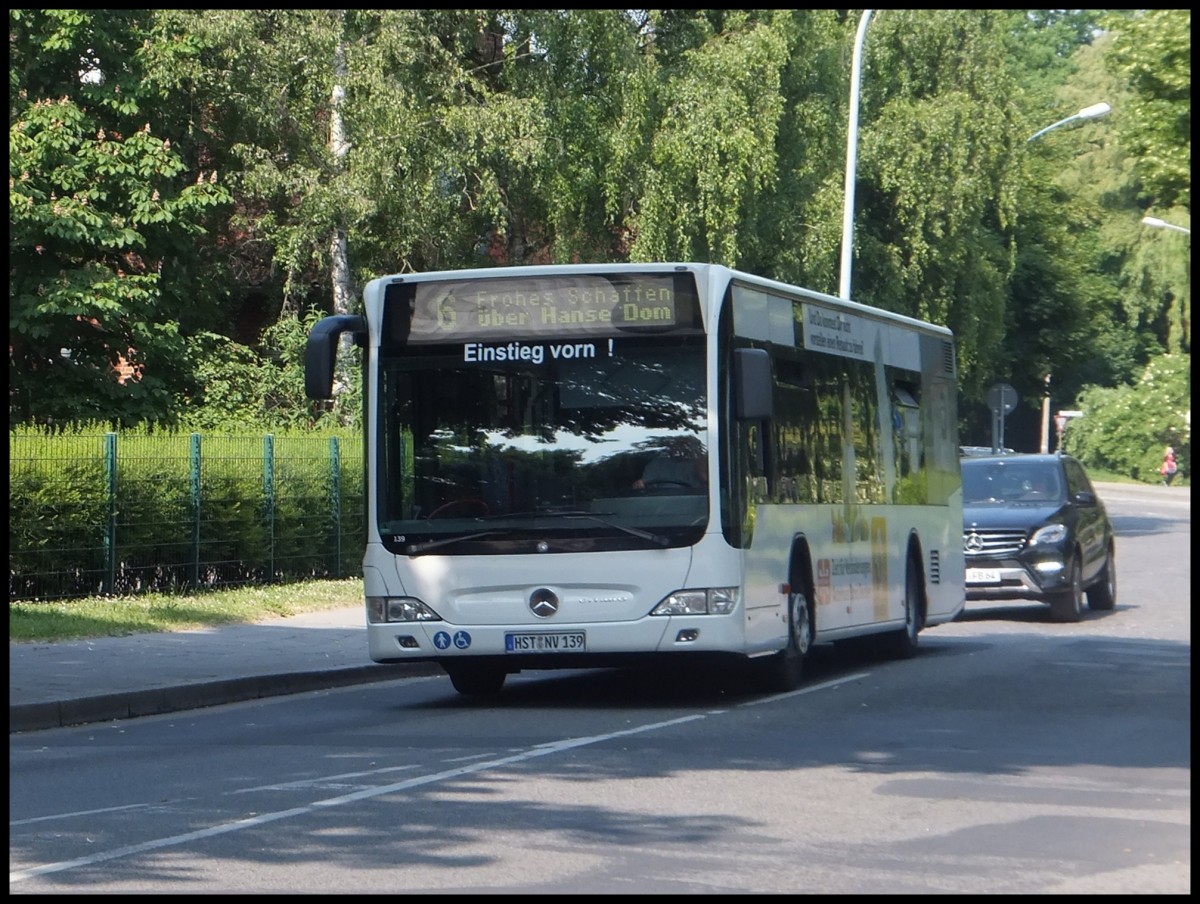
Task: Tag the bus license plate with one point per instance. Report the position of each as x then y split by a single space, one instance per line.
562 642
983 576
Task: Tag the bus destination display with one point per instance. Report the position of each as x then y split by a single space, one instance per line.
565 306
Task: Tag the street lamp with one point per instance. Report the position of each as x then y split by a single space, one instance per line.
1045 446
852 156
1091 112
1162 224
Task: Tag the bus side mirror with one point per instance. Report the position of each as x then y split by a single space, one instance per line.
752 384
321 349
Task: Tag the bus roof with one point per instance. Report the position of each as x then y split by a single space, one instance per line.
706 272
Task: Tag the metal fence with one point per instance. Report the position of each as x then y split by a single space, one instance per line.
109 514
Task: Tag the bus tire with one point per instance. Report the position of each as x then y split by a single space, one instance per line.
903 644
781 672
476 680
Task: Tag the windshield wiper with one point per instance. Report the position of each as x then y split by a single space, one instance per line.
598 517
658 539
413 548
616 525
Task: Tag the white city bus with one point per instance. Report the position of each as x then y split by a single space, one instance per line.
515 521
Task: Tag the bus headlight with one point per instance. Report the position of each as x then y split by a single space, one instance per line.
382 609
713 601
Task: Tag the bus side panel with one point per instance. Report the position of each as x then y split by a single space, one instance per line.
860 556
947 589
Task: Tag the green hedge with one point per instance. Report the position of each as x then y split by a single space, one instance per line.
116 514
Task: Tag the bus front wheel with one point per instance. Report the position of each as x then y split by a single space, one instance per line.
781 672
476 680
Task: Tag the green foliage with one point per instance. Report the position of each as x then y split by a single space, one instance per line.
938 199
714 149
1135 281
1158 273
1125 428
1152 51
482 137
589 90
248 389
97 206
240 510
58 513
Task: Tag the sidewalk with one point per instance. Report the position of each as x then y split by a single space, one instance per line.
105 678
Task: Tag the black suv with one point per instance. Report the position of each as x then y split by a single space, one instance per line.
1034 528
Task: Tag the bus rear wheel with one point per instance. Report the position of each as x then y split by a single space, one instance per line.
903 644
476 680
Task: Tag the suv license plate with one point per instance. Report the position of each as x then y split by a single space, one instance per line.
561 642
983 576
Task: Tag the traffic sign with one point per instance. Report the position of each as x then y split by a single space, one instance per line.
1002 398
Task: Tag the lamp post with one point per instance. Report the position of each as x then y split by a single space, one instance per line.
1162 224
1100 109
1045 446
1091 112
852 156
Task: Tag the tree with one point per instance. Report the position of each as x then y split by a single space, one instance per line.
100 211
1152 51
356 143
1125 428
590 75
940 146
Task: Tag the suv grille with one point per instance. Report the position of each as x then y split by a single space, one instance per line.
993 542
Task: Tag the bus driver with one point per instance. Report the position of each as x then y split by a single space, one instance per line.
681 464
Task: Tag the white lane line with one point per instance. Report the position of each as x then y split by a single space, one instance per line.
365 794
78 813
807 690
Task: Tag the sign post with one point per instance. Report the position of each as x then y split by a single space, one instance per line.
1061 419
1002 399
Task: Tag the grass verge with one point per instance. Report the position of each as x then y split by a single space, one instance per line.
156 613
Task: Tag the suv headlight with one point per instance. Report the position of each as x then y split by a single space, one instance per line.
1051 533
710 601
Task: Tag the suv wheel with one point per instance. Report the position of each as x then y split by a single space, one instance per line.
1102 596
1067 605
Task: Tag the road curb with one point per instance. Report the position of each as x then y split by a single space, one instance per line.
162 700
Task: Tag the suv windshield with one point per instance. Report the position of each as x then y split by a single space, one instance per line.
988 480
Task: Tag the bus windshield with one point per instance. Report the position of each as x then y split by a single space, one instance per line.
514 446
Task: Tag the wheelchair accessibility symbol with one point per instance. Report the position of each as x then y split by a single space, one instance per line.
461 640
